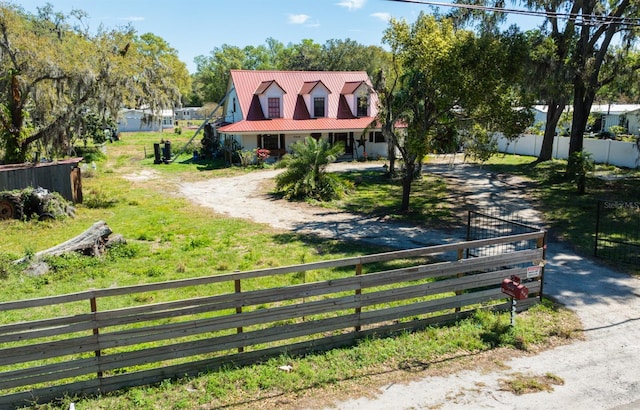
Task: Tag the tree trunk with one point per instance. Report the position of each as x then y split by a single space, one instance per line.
553 117
582 102
391 153
91 242
14 154
407 179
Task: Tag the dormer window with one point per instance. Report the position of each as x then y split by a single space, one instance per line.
269 95
362 106
315 95
274 107
318 107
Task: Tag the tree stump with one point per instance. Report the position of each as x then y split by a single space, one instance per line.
91 242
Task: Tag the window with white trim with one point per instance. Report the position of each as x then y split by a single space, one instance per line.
274 107
318 107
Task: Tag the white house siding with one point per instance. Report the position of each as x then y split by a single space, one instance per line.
611 114
618 153
374 149
132 121
232 113
187 113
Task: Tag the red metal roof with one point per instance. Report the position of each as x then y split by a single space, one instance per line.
350 87
67 161
294 83
308 86
277 125
343 108
265 85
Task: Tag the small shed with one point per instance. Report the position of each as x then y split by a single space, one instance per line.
62 176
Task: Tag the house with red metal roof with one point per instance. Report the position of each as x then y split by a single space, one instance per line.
275 109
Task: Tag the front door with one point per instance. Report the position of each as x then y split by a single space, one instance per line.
346 139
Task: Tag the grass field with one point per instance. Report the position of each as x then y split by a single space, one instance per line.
169 238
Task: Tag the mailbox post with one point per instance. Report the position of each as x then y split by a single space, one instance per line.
513 288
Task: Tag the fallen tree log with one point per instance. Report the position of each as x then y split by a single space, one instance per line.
91 242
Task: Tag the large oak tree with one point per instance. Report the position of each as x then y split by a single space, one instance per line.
55 75
448 82
575 40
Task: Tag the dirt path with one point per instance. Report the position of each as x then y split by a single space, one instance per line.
246 197
601 372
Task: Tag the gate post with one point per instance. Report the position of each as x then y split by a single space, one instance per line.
595 247
96 331
238 290
460 275
358 293
542 243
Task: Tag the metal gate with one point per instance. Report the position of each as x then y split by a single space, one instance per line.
618 231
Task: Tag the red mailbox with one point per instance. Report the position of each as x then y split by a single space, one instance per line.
513 288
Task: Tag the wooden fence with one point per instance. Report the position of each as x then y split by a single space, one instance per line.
104 340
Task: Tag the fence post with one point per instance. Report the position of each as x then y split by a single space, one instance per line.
358 293
238 289
595 247
459 275
96 331
468 229
542 243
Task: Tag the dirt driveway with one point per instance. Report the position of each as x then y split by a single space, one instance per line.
601 372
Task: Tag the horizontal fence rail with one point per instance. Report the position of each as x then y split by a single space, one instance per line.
104 340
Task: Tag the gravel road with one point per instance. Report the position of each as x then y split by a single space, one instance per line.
600 372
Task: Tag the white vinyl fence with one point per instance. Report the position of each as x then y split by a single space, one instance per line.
618 153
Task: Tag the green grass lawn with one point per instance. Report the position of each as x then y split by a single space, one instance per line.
169 238
377 195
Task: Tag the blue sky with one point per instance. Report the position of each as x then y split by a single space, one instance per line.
195 27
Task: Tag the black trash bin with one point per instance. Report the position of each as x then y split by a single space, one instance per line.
166 152
156 153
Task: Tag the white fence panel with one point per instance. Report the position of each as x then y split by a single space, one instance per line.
599 149
618 153
626 154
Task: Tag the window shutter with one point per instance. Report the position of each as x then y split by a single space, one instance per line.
370 136
281 141
259 143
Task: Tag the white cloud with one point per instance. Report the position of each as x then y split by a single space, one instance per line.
352 4
132 18
382 16
298 18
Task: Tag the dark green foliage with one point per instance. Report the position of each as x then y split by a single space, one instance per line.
579 166
99 199
210 143
6 265
36 203
212 74
306 176
123 251
90 154
96 128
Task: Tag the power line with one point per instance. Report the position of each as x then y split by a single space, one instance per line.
578 18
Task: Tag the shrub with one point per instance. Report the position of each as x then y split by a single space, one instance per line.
579 166
306 176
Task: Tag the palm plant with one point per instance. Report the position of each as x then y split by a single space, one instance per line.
306 176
